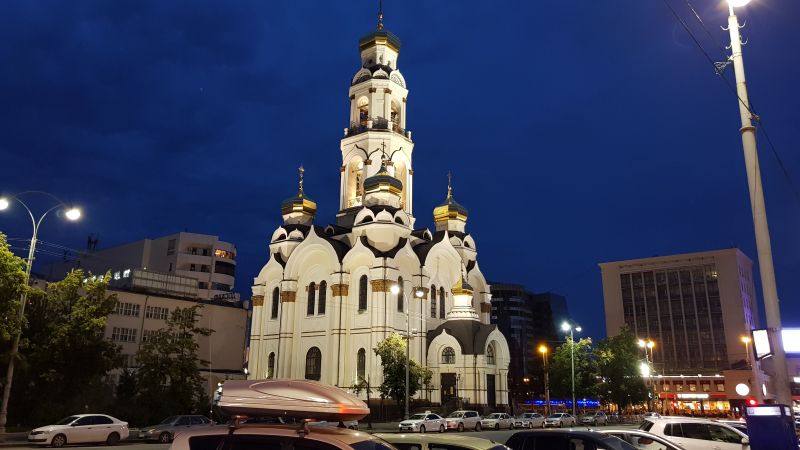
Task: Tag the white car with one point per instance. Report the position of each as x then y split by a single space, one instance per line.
597 418
529 420
697 434
642 439
81 429
560 420
496 421
424 422
461 420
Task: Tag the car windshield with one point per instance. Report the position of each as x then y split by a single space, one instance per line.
646 425
554 416
495 416
417 417
456 415
168 420
66 420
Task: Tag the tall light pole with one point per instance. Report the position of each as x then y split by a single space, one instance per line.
764 247
71 213
648 345
746 341
543 351
395 289
567 327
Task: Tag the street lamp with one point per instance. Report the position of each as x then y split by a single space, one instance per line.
567 327
543 350
395 289
746 341
763 246
72 214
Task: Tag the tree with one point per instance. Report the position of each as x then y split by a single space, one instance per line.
619 368
12 285
585 370
64 356
392 352
168 380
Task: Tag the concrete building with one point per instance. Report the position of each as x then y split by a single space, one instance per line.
202 257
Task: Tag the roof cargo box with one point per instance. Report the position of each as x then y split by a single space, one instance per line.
290 398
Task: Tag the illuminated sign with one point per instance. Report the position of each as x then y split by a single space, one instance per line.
742 389
762 347
791 340
692 396
761 344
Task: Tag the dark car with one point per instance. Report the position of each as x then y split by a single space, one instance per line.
565 440
165 431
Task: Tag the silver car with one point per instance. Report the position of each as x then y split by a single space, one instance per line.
529 420
597 418
643 440
165 431
560 420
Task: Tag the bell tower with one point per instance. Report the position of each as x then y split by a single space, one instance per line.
377 124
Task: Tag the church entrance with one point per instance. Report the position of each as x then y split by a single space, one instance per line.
491 399
448 387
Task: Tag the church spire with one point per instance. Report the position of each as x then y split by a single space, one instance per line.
299 209
450 215
300 190
380 15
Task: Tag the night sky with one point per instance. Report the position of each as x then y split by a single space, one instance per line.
577 131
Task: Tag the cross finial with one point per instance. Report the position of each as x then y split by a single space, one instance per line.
383 149
301 170
449 186
380 15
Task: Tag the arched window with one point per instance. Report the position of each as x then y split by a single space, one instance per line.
448 355
400 299
276 299
362 293
441 303
363 111
313 364
271 365
490 359
312 295
323 296
433 302
361 365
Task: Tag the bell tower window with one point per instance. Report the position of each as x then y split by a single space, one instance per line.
363 111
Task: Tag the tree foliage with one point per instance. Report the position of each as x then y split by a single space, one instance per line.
12 285
168 379
64 357
619 360
392 352
585 370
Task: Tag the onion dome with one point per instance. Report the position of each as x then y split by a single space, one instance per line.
462 287
450 209
298 206
380 37
383 182
462 301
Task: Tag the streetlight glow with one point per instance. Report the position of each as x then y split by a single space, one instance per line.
738 3
651 344
578 329
3 203
73 214
645 368
641 343
419 293
395 289
745 339
565 326
542 349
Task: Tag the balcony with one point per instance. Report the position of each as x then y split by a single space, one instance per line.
377 124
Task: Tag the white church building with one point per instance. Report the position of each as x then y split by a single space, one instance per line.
329 294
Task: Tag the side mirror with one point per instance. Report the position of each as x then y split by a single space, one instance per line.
745 441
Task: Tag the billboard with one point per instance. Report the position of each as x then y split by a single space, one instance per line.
763 348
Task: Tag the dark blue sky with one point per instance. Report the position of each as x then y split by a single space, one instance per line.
577 131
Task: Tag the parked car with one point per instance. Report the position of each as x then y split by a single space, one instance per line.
461 420
424 422
559 420
642 440
651 414
496 421
597 418
81 429
165 431
565 439
738 424
697 434
529 420
349 424
438 442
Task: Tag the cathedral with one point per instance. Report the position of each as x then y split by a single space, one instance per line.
329 294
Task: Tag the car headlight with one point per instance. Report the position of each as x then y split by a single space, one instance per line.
33 433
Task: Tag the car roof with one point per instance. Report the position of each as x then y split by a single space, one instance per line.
343 435
466 441
569 432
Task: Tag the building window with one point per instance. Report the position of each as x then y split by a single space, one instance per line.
168 270
276 298
323 297
147 335
171 247
720 387
220 287
441 303
665 387
225 268
448 355
361 364
202 284
433 302
192 268
123 334
156 312
205 252
127 309
204 268
271 365
490 359
313 364
400 306
362 293
312 295
223 254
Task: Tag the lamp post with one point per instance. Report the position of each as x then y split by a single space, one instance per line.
746 341
567 327
72 214
763 245
395 289
543 351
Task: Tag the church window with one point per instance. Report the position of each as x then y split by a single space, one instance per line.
323 296
490 355
433 302
271 365
400 299
312 294
276 297
448 355
361 365
363 111
441 303
362 293
313 364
